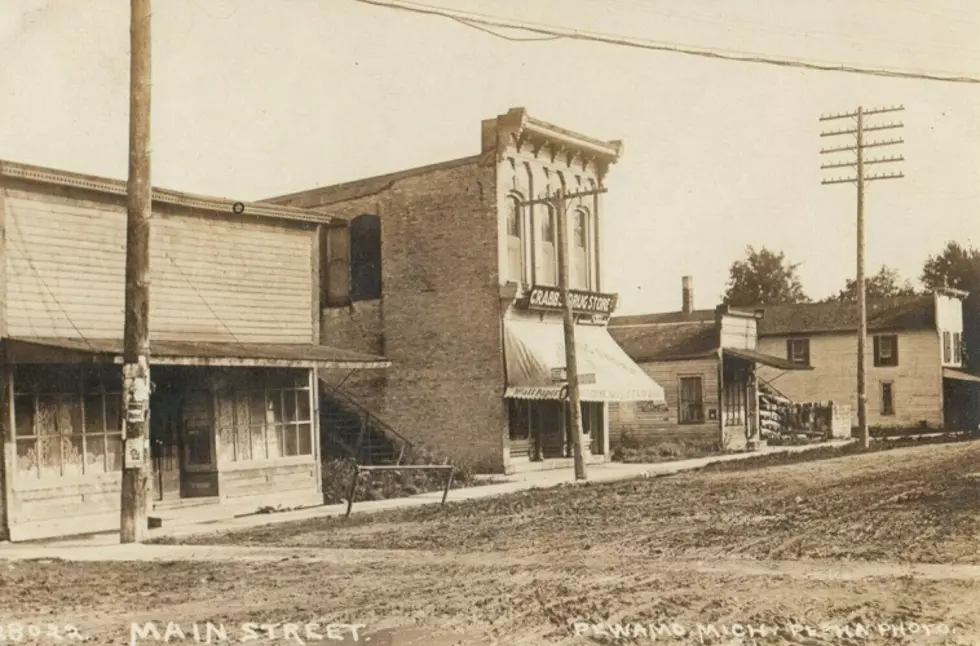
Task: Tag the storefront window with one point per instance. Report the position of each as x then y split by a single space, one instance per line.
67 420
269 422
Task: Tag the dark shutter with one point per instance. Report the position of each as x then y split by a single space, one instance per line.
789 349
877 349
894 350
806 351
365 257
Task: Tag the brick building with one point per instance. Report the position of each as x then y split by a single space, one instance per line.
448 273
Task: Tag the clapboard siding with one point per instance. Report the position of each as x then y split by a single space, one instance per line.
650 427
42 510
213 279
258 481
917 377
738 332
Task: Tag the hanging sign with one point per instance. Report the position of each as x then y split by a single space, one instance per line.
549 299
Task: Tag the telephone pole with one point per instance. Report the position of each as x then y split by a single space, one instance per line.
136 335
860 178
559 202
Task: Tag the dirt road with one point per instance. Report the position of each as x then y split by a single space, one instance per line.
784 555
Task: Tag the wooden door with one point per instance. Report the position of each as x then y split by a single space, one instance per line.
165 447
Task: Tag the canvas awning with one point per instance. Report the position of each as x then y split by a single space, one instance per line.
765 359
192 353
533 349
959 375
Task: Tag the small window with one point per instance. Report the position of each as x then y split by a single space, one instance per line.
798 351
947 347
957 347
513 217
887 398
886 350
548 226
691 401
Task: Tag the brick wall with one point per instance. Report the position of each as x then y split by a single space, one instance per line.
439 319
917 377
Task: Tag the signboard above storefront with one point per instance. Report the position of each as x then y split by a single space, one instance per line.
549 299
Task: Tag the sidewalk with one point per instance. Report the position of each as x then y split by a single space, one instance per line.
609 472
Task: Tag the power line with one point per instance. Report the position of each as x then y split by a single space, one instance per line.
473 19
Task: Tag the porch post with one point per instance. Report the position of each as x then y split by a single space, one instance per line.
8 469
315 427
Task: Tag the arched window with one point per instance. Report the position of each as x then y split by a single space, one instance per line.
515 241
365 257
548 268
580 250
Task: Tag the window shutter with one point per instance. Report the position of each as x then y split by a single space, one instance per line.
337 278
806 352
894 350
789 349
877 350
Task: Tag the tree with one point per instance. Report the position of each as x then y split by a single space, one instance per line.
763 278
884 284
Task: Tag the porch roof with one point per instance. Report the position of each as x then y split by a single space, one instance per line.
765 359
191 353
960 375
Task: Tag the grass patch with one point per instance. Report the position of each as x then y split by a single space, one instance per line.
632 450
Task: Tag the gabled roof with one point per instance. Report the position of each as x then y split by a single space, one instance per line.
662 341
892 314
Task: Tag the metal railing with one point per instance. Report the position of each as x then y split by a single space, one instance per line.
414 467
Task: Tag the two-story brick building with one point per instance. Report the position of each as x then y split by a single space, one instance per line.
451 274
915 373
235 347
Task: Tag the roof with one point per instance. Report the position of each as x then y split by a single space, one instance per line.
663 317
326 195
194 353
892 314
235 208
667 341
765 359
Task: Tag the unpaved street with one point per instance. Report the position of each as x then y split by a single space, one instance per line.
881 547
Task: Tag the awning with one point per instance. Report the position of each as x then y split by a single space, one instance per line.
765 359
534 349
959 375
191 353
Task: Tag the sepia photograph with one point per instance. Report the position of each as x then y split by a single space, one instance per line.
490 323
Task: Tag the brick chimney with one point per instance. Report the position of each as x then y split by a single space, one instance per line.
687 286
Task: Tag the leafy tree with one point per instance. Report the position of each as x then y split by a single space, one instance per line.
764 278
884 284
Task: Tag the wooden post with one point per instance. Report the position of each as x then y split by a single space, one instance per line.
136 339
861 290
571 368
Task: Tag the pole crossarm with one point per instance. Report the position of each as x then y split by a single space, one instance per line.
853 115
888 126
873 144
551 199
880 160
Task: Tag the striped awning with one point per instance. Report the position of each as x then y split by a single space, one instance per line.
535 357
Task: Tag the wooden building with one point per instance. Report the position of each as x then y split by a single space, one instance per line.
453 276
708 362
915 370
235 352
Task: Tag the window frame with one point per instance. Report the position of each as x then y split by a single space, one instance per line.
947 346
515 214
880 359
549 270
582 222
889 409
791 354
271 396
682 409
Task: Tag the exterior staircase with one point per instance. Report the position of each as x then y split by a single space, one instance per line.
350 430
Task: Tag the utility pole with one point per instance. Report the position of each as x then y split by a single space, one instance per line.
136 335
560 204
860 178
568 315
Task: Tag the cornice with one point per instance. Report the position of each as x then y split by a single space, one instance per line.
54 177
519 124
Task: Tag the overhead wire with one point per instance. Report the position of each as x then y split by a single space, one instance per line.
485 21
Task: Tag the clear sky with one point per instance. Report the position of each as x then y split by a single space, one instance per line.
253 98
